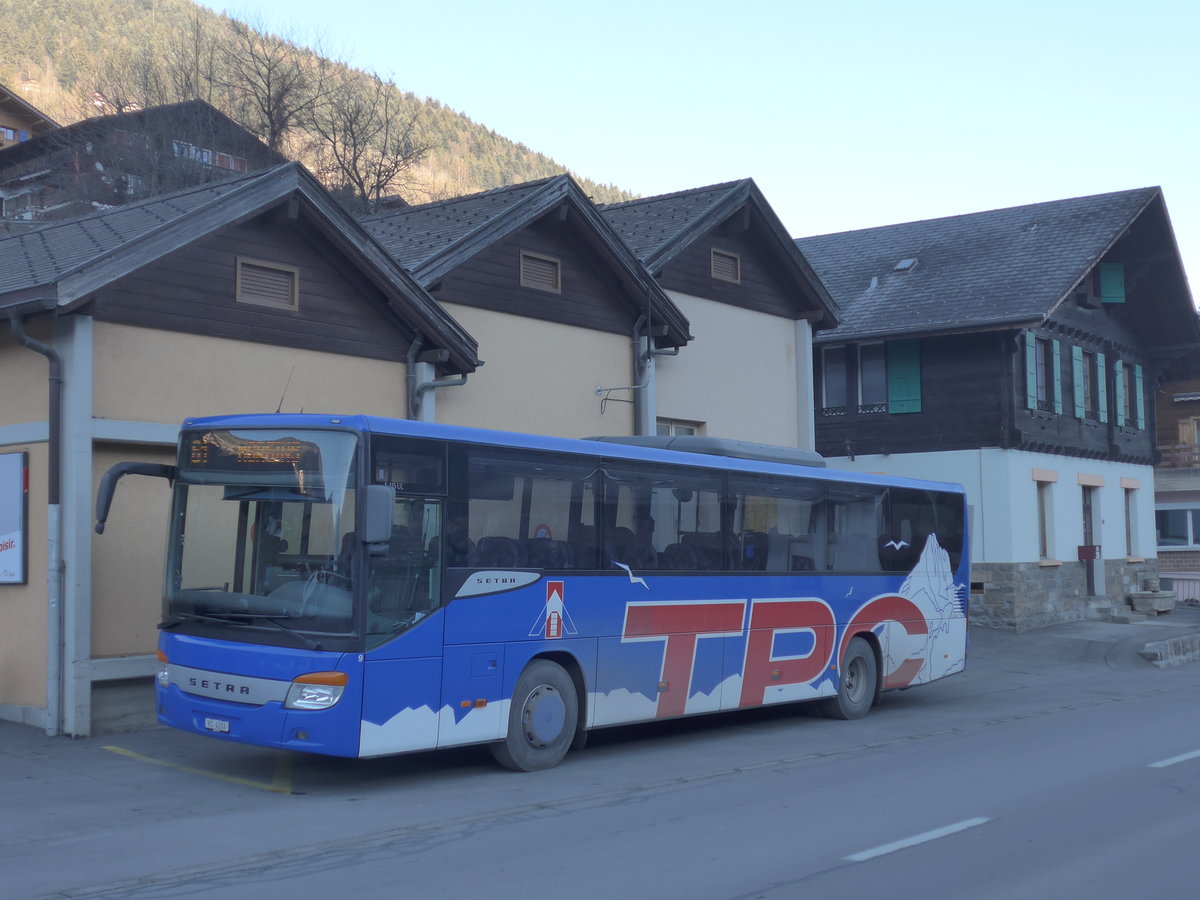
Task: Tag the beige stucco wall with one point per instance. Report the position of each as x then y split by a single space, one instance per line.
163 376
23 376
738 376
127 560
540 377
23 606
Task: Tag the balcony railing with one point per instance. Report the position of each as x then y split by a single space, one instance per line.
1179 456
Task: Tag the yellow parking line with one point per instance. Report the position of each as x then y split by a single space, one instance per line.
281 783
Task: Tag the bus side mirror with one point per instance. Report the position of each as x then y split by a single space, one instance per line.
377 520
108 484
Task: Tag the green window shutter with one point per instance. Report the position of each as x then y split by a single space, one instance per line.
1112 282
1140 409
1119 393
1102 386
1030 370
1056 354
904 376
1077 377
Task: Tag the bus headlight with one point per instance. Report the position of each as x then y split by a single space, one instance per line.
163 675
316 690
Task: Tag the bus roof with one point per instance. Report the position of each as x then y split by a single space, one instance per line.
771 460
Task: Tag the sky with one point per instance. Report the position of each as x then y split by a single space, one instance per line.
846 113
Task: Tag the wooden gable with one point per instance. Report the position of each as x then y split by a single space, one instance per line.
589 294
704 267
759 286
194 290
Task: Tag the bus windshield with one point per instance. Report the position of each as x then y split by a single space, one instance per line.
263 534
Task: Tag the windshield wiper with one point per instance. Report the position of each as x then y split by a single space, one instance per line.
181 617
274 620
239 618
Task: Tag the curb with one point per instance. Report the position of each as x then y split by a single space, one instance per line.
1175 651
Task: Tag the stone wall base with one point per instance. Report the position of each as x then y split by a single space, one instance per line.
1021 596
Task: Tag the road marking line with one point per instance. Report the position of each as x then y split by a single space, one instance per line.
1163 763
280 785
917 839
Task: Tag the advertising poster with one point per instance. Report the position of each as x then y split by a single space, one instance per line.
13 510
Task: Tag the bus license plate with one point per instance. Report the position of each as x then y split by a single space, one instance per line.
218 725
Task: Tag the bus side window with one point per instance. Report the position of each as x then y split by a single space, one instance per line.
523 511
778 524
854 516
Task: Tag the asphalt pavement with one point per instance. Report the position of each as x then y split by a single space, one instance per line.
48 780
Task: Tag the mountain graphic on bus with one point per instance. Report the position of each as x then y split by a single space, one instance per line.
930 587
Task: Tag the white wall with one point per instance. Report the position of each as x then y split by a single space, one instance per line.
541 377
740 375
1001 484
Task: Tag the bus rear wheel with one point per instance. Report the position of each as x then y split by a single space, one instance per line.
541 719
859 683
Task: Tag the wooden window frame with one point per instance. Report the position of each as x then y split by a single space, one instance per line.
720 273
826 353
540 284
242 296
880 404
672 427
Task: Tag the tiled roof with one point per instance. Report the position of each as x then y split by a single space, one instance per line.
648 224
415 234
63 263
45 254
970 271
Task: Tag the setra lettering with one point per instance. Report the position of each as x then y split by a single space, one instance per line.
227 687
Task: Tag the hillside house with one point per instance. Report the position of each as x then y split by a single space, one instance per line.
1016 351
19 121
101 162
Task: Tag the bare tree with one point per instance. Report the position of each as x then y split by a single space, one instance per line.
124 80
190 63
367 143
272 82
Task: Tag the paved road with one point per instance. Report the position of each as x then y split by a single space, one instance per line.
1057 766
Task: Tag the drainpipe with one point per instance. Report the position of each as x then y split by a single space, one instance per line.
645 418
417 388
55 565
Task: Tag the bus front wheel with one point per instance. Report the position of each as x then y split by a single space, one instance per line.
541 719
859 683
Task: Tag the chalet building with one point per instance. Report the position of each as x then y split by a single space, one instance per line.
562 306
20 122
1177 483
250 294
1017 352
106 161
724 258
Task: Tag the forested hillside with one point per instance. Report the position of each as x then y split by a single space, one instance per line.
75 58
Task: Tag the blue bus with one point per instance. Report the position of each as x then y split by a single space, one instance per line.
361 586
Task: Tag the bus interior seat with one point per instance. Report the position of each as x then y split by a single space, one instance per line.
754 551
707 545
496 551
680 557
636 555
546 553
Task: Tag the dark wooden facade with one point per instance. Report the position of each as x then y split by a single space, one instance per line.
193 291
113 160
763 286
590 295
976 391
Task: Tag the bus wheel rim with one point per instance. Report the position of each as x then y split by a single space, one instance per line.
544 716
856 681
